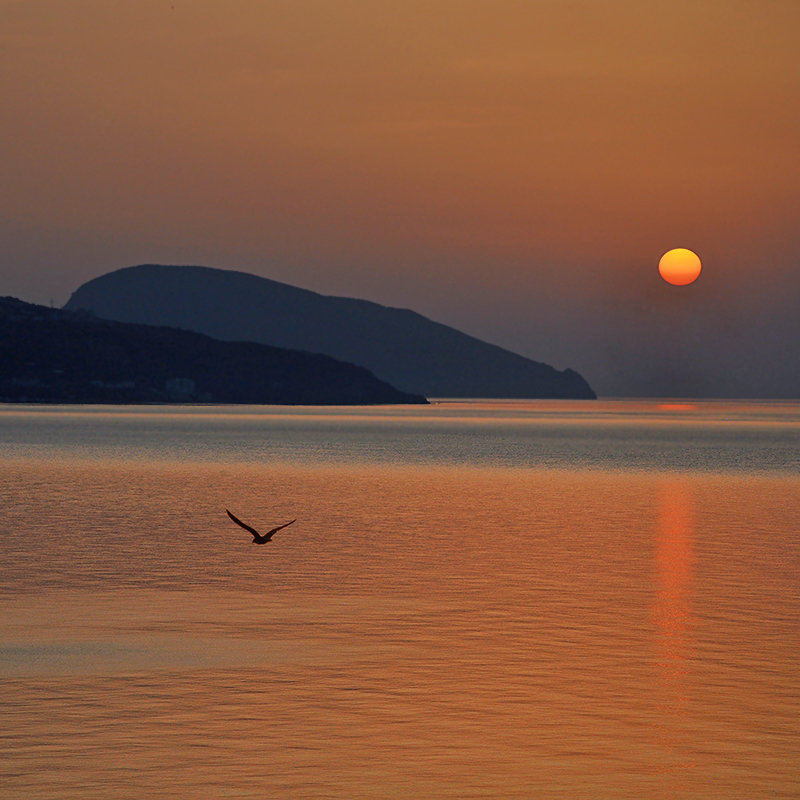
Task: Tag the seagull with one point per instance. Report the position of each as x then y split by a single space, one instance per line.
257 537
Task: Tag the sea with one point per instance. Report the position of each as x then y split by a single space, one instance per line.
479 599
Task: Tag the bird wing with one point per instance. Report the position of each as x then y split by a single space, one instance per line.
269 535
244 525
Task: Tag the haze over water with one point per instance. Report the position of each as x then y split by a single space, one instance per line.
494 600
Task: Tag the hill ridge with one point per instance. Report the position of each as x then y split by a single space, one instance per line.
400 346
65 356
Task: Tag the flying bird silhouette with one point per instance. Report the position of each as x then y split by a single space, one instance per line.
257 537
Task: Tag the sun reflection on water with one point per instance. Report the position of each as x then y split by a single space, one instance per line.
674 558
673 615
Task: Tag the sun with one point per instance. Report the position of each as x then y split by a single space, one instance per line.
679 266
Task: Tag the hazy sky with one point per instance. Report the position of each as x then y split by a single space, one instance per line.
514 169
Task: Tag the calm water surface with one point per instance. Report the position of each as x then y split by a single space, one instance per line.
478 600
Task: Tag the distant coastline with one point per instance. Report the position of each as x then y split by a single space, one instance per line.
416 354
52 356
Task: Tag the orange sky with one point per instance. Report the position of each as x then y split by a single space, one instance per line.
513 168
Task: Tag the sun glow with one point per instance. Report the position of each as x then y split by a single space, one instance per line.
679 266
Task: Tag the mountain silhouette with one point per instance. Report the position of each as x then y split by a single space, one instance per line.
57 356
399 346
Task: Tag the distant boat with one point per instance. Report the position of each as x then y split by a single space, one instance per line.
257 537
